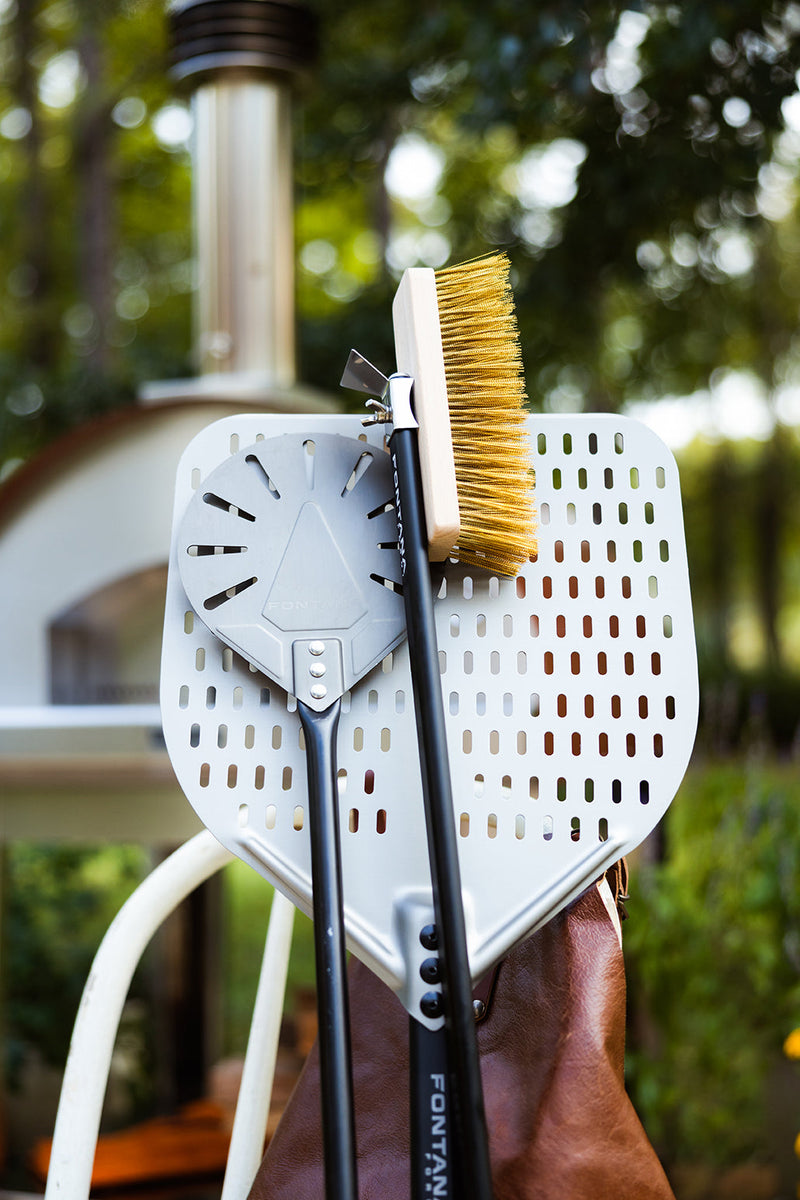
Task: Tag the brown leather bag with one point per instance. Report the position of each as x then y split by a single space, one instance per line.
561 1124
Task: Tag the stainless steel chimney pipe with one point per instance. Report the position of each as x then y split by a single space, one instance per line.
238 61
243 228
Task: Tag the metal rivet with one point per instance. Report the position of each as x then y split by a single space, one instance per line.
317 670
428 937
318 691
431 1004
429 970
478 1009
316 647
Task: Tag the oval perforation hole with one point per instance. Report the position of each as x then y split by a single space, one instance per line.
298 817
380 821
463 825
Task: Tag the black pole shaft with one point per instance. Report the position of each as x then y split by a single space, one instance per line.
336 1074
462 1045
432 1141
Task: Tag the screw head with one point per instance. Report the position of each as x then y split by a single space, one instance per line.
431 1004
429 970
429 937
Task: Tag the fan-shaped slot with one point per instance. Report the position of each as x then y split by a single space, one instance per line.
220 598
391 585
385 507
263 475
215 501
359 470
310 462
205 551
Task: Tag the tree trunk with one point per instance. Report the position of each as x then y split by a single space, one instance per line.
95 198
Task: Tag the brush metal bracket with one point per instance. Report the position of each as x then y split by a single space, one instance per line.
395 392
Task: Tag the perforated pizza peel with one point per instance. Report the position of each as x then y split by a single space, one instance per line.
571 694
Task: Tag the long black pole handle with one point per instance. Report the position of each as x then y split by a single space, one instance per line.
433 1150
336 1073
462 1045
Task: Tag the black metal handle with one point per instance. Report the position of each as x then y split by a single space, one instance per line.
462 1045
432 1142
336 1074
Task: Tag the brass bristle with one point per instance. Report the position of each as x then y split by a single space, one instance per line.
486 398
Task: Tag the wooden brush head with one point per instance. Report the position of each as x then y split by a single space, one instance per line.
456 335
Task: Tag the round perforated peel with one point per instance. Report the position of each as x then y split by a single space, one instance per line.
293 540
571 695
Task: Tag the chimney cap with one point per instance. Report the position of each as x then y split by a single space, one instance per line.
213 36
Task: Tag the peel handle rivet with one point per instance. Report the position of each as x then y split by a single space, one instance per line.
316 648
